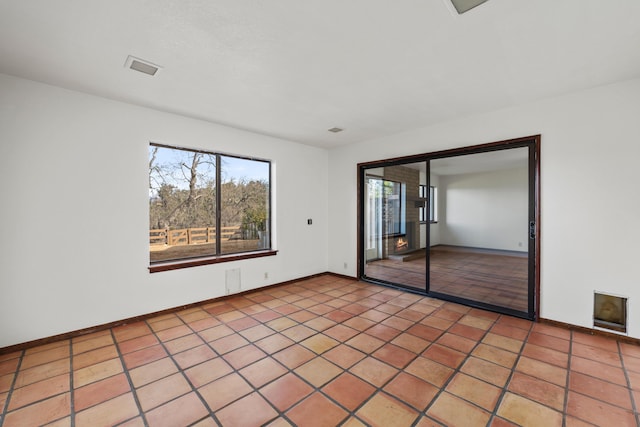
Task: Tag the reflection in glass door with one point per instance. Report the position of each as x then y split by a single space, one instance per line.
373 219
479 247
394 237
458 225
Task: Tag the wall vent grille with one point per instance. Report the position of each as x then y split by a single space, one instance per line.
610 312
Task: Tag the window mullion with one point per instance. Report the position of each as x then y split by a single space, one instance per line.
218 204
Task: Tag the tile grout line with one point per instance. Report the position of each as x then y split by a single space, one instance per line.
350 413
442 389
634 404
5 410
292 370
565 406
419 354
71 385
129 380
378 389
624 370
268 355
505 389
40 400
421 415
456 371
182 371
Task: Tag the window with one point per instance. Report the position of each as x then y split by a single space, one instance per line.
205 205
433 206
392 208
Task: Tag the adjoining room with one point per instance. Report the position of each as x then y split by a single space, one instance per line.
476 212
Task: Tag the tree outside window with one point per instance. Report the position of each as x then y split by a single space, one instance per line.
204 204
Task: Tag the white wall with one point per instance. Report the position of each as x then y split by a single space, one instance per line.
76 165
485 209
590 205
74 211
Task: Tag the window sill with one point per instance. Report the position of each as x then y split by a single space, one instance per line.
178 264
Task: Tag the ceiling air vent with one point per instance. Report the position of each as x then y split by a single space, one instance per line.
463 6
141 65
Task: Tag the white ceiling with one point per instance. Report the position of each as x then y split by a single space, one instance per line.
295 68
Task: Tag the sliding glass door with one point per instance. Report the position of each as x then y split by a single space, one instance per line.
459 225
394 236
481 252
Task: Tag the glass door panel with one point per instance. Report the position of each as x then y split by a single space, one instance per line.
459 225
394 236
479 248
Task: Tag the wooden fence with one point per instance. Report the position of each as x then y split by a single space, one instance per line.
191 236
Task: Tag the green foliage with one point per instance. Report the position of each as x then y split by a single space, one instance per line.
174 208
257 216
182 194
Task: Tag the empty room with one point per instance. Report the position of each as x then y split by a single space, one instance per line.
306 213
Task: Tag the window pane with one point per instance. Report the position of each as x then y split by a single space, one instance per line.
392 230
182 203
392 207
433 204
245 205
423 196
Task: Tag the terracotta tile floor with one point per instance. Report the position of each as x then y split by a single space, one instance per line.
472 274
322 352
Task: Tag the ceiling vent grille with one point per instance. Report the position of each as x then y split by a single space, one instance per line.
463 6
142 66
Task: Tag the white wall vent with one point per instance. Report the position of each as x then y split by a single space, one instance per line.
232 281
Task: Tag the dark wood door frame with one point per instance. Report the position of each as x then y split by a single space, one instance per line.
530 142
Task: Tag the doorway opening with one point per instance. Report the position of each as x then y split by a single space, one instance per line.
459 225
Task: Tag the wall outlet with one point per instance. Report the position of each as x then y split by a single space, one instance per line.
266 275
345 265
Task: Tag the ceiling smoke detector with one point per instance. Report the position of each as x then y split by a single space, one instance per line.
336 130
142 66
463 6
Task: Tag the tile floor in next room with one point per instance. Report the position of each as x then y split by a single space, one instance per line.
325 351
